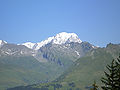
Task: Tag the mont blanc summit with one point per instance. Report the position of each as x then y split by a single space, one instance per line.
64 37
61 38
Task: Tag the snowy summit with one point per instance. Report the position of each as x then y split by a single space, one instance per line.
61 38
64 37
2 42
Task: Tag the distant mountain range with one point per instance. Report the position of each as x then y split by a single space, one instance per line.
59 39
63 43
29 63
43 62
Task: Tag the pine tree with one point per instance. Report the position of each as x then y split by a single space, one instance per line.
118 73
111 77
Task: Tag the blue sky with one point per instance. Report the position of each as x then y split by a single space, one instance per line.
95 21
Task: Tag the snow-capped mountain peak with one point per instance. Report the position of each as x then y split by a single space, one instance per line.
42 43
2 42
29 45
60 38
64 37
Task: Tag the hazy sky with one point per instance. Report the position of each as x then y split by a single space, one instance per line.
95 21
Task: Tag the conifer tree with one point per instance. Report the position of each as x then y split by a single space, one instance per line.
118 73
111 77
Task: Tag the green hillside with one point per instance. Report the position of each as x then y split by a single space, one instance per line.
84 72
91 67
15 71
87 69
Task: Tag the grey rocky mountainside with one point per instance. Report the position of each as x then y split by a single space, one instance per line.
50 52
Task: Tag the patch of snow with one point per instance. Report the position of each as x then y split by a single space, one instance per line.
43 43
93 46
77 53
29 45
7 53
21 52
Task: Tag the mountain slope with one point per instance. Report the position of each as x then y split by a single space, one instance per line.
26 66
65 54
91 67
42 63
84 71
15 71
15 50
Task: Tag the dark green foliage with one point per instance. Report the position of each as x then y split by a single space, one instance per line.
112 79
118 72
